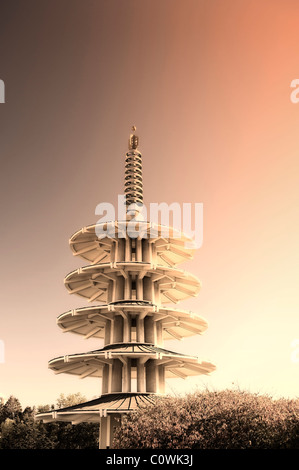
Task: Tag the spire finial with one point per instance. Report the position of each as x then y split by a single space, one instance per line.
133 172
133 141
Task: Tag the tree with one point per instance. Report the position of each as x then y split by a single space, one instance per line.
70 400
19 430
212 420
68 436
45 408
25 434
11 409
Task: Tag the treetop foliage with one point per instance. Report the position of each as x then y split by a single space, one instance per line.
212 420
19 430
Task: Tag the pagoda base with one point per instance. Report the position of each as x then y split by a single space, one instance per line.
106 410
92 411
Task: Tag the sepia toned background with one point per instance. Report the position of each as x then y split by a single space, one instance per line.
207 83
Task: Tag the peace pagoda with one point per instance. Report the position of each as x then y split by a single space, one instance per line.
131 284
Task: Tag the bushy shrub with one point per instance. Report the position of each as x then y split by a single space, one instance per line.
19 430
212 420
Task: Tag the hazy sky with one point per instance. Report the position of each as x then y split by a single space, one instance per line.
207 83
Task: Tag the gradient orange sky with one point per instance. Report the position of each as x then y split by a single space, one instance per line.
207 83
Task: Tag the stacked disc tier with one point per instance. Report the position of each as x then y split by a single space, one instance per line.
133 279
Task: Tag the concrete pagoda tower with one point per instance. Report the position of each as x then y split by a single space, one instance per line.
133 279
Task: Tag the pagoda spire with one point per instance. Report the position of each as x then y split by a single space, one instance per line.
133 172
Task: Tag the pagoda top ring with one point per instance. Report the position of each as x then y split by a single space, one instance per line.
95 243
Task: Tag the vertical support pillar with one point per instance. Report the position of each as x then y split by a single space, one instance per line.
161 372
119 289
110 291
147 289
138 249
128 288
110 378
156 294
159 333
103 433
112 330
105 379
113 251
116 382
139 289
128 249
151 376
120 255
150 332
108 432
140 376
108 425
140 329
126 327
107 332
154 253
118 329
126 385
146 251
